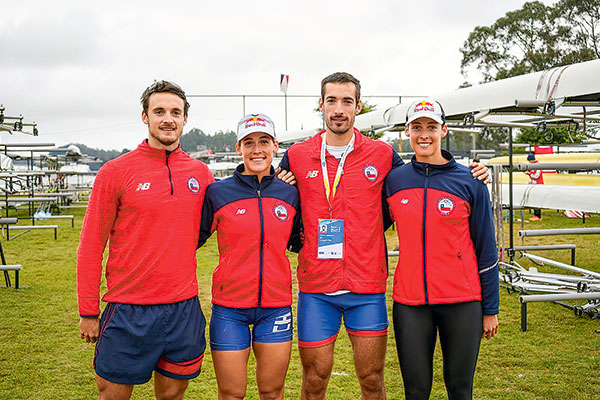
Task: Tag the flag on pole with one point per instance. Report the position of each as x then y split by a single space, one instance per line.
283 83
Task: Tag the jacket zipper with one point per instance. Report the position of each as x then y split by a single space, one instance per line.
169 168
262 238
425 234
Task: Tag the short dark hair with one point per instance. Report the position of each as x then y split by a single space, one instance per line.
164 86
340 77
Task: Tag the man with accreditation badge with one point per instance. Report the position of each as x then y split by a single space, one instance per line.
342 267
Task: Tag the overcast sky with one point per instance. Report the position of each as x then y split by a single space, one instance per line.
78 68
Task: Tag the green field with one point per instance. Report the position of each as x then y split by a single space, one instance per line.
42 357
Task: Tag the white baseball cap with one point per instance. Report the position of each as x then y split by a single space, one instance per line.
426 107
255 123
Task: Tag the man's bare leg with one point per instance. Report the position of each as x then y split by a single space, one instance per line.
317 363
166 388
113 391
369 362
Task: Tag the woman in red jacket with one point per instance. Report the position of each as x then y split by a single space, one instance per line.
446 280
253 213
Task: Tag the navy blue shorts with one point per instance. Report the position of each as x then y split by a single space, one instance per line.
320 316
230 327
138 339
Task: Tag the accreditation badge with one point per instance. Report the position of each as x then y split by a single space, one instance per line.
331 239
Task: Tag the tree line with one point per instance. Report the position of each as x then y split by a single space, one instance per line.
194 140
533 38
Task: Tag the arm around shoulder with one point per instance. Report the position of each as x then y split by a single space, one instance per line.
480 172
207 218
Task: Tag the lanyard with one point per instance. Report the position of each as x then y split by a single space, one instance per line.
338 175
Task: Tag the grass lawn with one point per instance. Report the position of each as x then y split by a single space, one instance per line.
42 357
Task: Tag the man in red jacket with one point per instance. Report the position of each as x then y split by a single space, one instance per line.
147 204
342 267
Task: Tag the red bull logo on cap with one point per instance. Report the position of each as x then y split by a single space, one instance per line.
255 122
445 206
280 212
424 106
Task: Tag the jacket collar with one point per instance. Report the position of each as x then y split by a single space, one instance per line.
434 168
145 148
252 180
317 140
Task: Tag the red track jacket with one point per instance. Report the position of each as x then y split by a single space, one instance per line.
357 201
148 202
447 245
253 221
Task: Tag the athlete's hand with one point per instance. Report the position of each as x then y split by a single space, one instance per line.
480 171
490 326
286 176
89 329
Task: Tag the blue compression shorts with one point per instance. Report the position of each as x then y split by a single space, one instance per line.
320 316
135 340
230 327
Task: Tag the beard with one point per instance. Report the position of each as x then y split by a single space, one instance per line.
165 140
340 129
